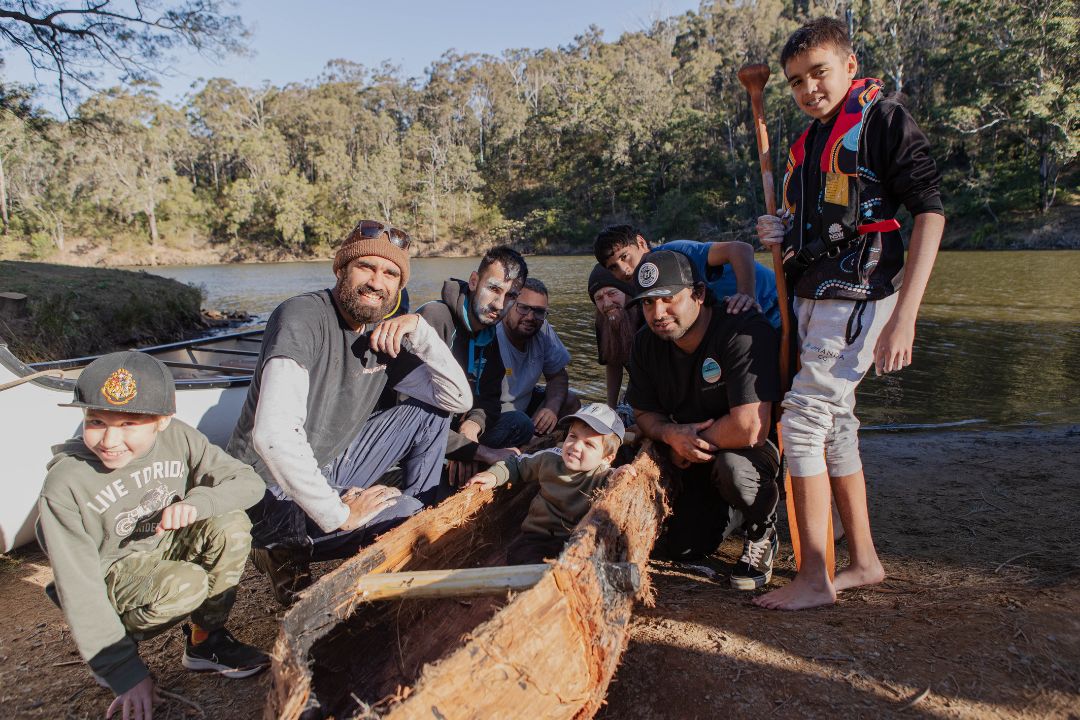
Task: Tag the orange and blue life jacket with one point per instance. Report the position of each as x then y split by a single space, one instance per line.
849 218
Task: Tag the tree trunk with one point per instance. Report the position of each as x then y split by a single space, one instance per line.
434 199
1048 174
151 216
3 196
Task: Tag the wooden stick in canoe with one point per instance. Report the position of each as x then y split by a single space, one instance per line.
470 582
753 78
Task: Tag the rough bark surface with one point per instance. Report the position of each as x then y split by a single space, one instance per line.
549 652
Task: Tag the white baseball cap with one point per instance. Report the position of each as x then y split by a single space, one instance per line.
600 418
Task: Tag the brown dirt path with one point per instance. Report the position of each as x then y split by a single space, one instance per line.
977 619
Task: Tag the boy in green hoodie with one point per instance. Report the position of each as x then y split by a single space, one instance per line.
143 522
569 477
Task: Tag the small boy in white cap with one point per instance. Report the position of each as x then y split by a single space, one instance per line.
569 477
143 522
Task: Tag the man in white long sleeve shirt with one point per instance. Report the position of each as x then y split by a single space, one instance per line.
309 425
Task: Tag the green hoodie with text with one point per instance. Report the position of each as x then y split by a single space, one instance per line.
90 517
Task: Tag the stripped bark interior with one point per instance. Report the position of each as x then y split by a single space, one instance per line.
547 652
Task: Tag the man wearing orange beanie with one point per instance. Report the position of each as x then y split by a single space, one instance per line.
310 426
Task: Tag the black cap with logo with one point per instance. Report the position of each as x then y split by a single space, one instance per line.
127 381
662 273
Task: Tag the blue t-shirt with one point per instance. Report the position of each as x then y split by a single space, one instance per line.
544 355
721 280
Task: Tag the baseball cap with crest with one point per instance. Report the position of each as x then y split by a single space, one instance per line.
662 273
126 381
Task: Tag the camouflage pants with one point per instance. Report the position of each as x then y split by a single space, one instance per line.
193 571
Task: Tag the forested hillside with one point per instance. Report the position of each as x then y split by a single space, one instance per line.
542 147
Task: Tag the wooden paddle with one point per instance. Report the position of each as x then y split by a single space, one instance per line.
753 77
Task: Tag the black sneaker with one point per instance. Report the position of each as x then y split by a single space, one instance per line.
222 653
754 568
287 574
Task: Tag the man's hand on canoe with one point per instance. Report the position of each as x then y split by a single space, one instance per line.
364 505
458 472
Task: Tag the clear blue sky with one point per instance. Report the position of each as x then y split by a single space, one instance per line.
292 41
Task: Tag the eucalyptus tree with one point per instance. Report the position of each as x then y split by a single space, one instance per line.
42 183
131 143
1013 97
74 41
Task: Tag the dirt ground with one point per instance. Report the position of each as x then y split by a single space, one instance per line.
978 617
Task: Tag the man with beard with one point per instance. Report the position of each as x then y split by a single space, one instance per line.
615 325
703 381
530 348
466 318
309 427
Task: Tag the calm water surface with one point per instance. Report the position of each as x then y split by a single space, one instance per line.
998 340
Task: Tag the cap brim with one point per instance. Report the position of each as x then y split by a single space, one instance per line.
90 406
594 422
660 291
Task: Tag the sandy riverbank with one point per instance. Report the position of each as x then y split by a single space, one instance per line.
978 535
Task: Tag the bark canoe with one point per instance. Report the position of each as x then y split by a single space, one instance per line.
546 652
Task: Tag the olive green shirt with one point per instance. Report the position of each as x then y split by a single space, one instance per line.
90 517
563 498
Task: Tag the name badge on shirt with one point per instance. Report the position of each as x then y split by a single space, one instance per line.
836 188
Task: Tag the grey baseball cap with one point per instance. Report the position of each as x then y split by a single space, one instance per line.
662 273
126 381
600 418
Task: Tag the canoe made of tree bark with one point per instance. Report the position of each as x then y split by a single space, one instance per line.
549 651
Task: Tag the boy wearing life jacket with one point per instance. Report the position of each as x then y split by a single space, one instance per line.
855 302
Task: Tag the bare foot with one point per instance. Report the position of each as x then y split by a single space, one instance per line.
799 594
852 577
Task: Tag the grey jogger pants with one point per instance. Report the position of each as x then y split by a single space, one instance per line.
836 348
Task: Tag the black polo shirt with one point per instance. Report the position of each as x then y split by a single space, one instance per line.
735 364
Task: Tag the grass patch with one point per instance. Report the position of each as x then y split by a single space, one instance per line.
75 311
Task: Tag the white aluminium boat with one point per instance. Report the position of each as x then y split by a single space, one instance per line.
212 378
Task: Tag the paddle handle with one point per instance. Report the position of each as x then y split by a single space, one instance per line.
32 376
753 78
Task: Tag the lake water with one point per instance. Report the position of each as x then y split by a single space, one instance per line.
998 339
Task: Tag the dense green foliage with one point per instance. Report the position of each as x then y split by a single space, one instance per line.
543 147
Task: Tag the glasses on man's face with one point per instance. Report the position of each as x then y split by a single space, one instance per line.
524 310
374 228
